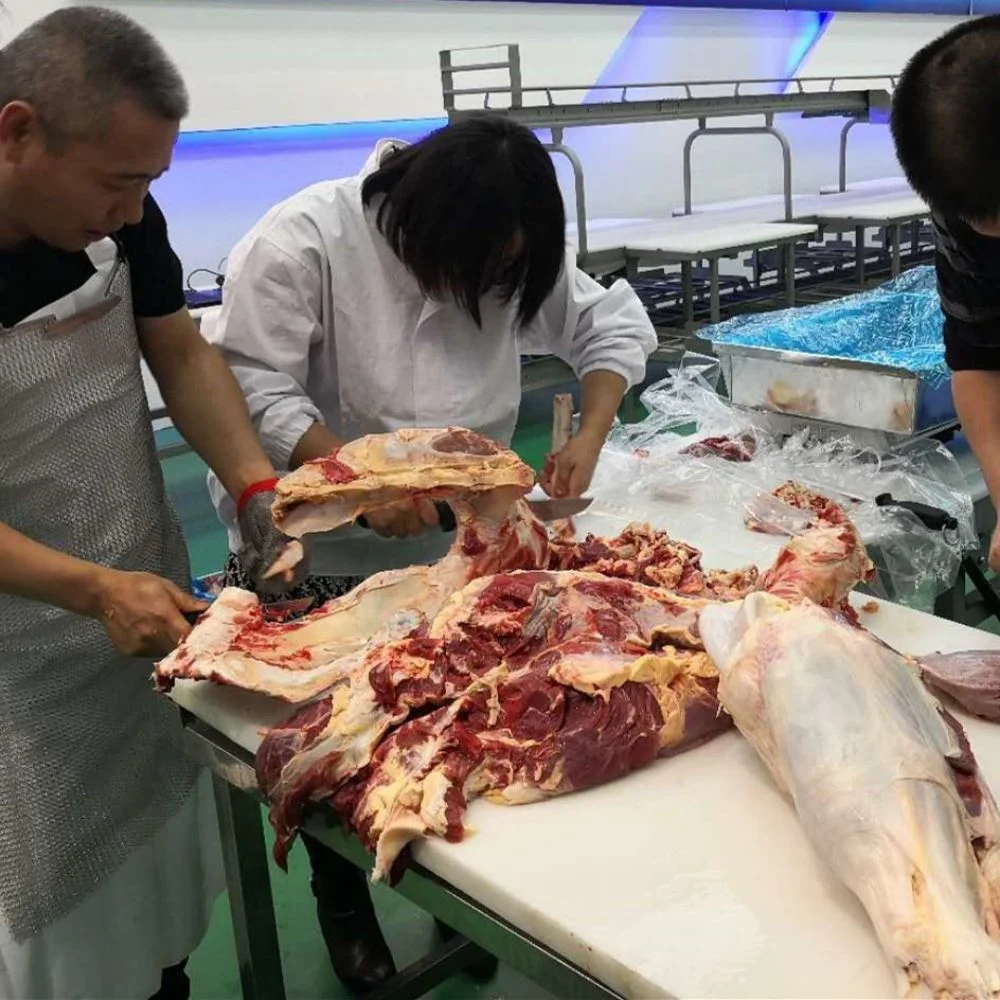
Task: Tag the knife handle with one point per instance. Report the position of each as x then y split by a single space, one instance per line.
933 518
446 517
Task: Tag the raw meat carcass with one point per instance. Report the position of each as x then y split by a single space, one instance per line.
408 464
883 781
579 631
236 642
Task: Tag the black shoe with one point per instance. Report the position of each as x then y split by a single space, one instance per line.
358 951
174 984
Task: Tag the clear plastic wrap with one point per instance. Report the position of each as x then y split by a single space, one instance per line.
898 324
696 458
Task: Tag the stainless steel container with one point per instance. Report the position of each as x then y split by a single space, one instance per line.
834 390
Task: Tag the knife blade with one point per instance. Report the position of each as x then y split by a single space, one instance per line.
559 510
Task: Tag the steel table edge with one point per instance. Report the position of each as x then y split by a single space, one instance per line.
234 765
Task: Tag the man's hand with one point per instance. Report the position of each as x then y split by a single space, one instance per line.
143 614
569 472
264 544
403 520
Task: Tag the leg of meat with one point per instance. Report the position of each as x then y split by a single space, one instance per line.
883 786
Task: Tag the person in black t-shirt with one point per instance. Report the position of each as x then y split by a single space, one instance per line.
108 852
946 126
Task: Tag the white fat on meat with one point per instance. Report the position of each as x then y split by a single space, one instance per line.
849 732
407 464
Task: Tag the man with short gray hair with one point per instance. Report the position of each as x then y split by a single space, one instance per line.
108 849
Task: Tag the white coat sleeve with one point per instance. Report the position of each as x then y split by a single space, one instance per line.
592 328
271 319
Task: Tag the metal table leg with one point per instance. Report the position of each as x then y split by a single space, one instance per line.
687 293
789 255
713 280
859 251
245 856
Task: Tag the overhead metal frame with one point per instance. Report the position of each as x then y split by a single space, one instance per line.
537 107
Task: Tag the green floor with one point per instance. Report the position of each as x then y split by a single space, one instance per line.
410 932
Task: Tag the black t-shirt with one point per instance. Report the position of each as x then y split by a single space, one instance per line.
33 276
968 272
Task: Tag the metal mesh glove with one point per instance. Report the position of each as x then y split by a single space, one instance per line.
264 544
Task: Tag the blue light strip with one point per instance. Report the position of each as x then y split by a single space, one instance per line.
806 42
268 138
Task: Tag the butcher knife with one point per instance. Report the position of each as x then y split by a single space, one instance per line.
544 510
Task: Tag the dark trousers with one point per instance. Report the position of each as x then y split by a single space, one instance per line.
339 887
174 984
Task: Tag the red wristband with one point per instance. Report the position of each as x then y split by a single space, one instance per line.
252 490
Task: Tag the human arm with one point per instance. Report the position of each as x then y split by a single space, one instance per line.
606 336
977 399
142 613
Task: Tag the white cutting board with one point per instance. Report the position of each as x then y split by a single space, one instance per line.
691 878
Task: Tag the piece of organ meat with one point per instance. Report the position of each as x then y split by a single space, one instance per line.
581 630
235 643
884 783
971 677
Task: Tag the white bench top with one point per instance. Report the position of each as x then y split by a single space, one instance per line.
876 184
873 210
717 239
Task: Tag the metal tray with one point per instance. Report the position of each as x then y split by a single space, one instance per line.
834 390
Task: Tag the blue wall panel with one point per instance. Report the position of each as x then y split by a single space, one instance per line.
952 7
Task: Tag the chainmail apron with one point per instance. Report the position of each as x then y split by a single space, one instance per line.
90 759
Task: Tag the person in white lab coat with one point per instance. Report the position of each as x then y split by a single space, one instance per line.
402 297
109 855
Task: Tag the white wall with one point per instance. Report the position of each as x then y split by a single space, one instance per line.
261 62
856 44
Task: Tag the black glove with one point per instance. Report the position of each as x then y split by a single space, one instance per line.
264 544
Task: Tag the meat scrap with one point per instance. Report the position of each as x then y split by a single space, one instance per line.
649 555
733 449
883 780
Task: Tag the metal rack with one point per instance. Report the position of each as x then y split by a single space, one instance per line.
549 107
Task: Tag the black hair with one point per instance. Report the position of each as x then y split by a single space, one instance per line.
946 121
72 65
472 207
